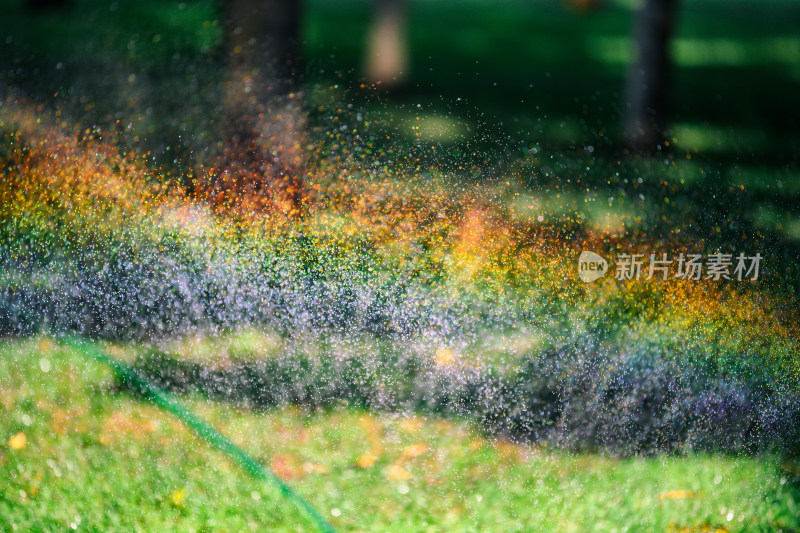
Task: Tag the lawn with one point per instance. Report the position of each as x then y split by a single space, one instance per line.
79 453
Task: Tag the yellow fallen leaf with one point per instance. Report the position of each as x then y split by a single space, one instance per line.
314 468
410 424
285 467
45 346
415 450
676 495
18 441
366 460
372 426
398 473
178 496
509 450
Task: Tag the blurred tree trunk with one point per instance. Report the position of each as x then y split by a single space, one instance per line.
387 44
648 80
262 39
263 122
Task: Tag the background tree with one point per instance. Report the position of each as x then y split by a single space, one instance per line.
263 120
262 48
646 95
387 43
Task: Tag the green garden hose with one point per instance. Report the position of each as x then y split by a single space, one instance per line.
199 426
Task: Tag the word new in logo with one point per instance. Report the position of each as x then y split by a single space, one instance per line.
591 267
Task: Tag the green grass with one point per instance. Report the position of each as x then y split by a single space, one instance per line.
100 460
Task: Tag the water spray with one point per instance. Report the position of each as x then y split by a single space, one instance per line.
202 428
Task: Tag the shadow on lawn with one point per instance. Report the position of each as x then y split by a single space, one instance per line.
584 397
